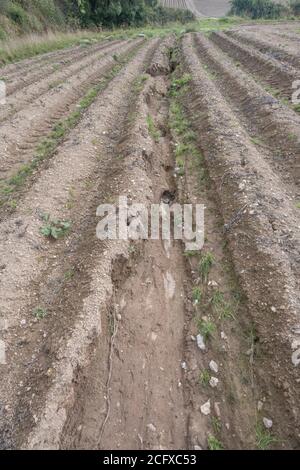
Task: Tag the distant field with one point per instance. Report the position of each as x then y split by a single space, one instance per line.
212 8
200 7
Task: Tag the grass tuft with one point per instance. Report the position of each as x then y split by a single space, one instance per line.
55 228
153 131
216 424
205 266
204 377
223 308
264 439
206 328
214 443
39 313
197 295
179 83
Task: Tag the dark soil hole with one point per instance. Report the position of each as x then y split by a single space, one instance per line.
168 168
168 197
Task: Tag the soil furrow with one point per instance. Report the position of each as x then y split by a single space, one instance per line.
148 295
23 79
283 34
261 228
267 47
23 65
271 125
24 97
215 308
19 137
85 153
269 71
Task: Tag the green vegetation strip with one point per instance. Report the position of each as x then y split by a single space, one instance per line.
29 46
181 128
49 144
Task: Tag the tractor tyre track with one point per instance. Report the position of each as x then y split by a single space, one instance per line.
47 82
20 136
23 79
270 124
245 187
85 153
267 47
269 71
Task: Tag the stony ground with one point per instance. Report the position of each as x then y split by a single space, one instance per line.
138 344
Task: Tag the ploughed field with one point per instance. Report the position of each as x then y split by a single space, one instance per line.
139 344
213 8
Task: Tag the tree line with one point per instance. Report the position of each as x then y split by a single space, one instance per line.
89 13
128 12
256 9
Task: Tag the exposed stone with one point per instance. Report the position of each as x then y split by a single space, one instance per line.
217 409
214 367
268 423
197 447
151 427
200 342
259 405
2 353
296 357
205 409
213 382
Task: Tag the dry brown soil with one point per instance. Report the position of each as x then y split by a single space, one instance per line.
99 338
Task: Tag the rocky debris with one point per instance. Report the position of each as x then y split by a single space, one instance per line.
196 447
214 367
213 382
296 353
160 64
217 409
268 423
200 342
151 427
205 409
259 405
184 365
156 69
153 336
2 352
296 357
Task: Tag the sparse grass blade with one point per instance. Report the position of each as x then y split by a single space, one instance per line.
205 265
